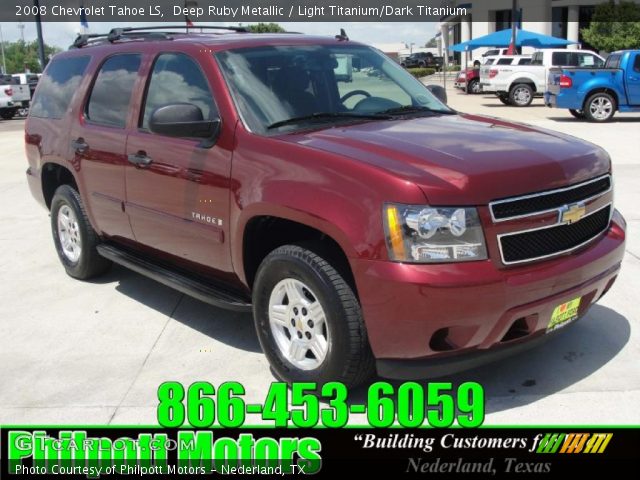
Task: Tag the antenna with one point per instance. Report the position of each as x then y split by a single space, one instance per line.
342 36
21 27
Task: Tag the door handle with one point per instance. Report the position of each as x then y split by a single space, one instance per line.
139 159
79 145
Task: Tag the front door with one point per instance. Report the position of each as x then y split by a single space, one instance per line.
178 196
98 138
633 79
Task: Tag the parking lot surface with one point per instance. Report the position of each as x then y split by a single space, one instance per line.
95 352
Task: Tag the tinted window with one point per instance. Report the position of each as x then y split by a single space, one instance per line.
57 86
505 61
489 61
111 94
613 61
176 78
636 63
524 61
561 59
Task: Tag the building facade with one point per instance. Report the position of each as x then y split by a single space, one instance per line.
559 18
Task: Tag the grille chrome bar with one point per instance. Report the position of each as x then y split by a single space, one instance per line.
541 195
556 225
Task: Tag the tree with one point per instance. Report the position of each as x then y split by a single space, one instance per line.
614 26
24 55
431 43
266 28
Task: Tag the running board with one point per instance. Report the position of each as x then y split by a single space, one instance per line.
189 286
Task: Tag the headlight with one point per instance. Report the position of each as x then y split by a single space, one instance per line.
422 234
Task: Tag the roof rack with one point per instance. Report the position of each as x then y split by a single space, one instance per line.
144 33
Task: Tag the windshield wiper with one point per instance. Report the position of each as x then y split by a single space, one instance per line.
329 115
412 109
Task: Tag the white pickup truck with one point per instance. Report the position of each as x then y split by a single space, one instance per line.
13 96
518 84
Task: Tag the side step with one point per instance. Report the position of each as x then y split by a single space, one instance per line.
189 286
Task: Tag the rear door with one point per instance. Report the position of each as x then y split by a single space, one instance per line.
178 201
633 79
98 138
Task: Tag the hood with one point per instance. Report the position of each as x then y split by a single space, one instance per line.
464 159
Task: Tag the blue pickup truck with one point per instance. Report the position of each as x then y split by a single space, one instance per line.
597 93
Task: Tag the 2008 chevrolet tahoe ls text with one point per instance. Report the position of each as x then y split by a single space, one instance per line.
366 224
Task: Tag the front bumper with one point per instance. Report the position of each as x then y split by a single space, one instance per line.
428 320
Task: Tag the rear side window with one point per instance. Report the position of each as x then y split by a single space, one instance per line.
562 59
524 61
636 63
111 93
505 61
177 78
490 61
57 86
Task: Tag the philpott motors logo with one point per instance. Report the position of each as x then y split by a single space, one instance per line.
572 442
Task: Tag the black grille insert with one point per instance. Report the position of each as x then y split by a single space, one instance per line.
548 201
525 246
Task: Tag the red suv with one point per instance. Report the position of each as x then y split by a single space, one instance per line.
364 223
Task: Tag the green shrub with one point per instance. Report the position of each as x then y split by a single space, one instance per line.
421 72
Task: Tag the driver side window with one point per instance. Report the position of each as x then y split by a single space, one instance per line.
358 80
177 78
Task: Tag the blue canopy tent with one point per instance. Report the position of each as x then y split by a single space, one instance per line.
502 38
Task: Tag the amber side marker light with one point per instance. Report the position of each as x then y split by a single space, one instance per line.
394 232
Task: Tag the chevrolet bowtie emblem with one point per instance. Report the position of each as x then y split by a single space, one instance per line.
572 213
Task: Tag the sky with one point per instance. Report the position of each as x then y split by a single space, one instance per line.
61 34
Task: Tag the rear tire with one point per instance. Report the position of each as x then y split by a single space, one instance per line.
600 107
474 87
74 237
8 114
521 95
309 321
579 114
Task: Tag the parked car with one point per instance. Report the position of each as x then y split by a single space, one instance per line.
596 94
495 52
366 225
492 73
517 85
422 60
469 80
30 79
14 96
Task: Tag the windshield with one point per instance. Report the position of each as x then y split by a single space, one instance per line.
280 88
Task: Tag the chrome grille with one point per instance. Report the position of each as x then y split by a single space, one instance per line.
537 203
553 240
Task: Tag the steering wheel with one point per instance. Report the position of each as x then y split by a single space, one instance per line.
353 93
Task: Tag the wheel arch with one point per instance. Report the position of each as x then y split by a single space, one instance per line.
262 233
606 90
52 176
523 80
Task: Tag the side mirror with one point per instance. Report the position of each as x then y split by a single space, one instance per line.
439 92
184 120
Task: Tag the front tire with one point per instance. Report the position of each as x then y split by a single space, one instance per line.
521 95
74 237
309 321
504 99
579 114
600 107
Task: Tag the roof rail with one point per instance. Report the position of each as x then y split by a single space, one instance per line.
144 33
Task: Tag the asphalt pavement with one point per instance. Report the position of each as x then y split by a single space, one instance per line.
95 352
